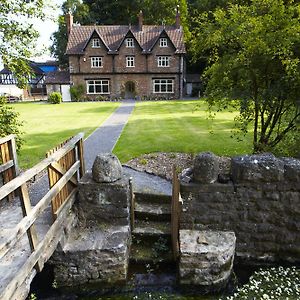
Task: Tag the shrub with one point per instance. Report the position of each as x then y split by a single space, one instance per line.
77 92
9 123
55 98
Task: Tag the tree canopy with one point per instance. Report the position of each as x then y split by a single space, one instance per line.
17 34
254 63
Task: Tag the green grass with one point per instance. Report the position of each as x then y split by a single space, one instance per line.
178 126
47 125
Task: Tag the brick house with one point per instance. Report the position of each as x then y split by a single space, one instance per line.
127 61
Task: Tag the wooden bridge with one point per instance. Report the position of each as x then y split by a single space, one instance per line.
43 219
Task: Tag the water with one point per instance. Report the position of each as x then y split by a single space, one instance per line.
145 283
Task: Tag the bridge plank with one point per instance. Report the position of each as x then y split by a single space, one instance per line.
27 175
36 211
43 251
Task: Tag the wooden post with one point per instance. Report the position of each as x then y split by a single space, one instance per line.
31 232
132 204
175 214
81 158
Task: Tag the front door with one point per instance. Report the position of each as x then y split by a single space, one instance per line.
129 90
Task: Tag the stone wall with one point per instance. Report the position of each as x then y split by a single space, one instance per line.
257 197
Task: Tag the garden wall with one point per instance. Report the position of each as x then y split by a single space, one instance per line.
257 197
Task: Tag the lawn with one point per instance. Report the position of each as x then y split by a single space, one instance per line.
47 125
178 126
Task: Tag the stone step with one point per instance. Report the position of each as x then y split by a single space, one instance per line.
155 252
151 228
152 198
152 211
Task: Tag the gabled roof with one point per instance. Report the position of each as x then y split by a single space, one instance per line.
112 36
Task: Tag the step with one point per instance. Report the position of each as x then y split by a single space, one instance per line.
155 253
151 228
152 211
152 198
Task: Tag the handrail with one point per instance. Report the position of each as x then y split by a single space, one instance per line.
27 175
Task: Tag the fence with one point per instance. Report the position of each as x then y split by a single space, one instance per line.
8 160
65 166
175 213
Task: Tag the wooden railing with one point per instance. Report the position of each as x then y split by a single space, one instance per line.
57 170
175 213
67 163
8 160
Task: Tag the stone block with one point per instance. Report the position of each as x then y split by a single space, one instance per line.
257 168
206 167
291 169
107 168
206 258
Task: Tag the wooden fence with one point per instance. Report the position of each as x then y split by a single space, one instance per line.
65 166
175 213
8 160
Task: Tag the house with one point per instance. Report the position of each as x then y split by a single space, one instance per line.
59 81
36 85
127 61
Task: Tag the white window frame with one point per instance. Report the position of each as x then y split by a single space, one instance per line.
129 43
130 61
163 61
96 62
164 85
97 86
96 43
163 42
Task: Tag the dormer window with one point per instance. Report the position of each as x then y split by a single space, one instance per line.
129 43
163 42
96 43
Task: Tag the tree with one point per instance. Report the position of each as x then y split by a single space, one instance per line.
17 34
254 62
9 123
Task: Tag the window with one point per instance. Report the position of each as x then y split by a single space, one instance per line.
163 61
129 61
96 43
129 43
163 85
100 86
96 62
163 42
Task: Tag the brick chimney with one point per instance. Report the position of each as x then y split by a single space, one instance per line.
141 19
177 22
69 21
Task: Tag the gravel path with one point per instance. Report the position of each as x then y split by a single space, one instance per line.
104 138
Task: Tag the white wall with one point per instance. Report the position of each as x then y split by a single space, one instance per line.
10 89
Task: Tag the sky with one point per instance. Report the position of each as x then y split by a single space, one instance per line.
46 28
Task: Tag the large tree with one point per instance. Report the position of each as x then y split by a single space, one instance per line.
253 59
17 34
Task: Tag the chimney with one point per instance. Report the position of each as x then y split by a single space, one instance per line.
177 23
69 21
141 19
